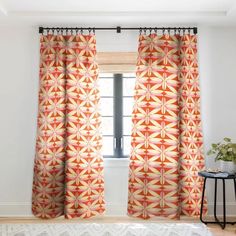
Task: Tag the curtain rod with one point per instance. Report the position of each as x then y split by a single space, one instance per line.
118 28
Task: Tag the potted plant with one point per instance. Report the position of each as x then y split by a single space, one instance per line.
225 152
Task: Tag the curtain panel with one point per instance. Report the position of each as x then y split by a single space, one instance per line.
167 145
68 168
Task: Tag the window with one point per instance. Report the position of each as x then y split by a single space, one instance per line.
116 108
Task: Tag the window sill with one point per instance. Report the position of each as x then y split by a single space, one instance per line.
116 162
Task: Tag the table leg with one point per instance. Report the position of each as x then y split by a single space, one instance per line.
222 224
217 221
215 200
215 205
235 188
224 210
202 203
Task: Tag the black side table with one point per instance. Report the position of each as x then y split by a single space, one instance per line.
206 175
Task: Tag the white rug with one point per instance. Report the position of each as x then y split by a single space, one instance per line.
105 229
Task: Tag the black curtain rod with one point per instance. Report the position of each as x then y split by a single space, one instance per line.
118 28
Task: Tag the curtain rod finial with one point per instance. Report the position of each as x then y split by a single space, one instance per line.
118 29
195 30
40 30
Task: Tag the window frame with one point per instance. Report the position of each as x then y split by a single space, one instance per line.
118 131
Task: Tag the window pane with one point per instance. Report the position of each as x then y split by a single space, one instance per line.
128 106
127 125
107 106
127 145
128 86
107 125
107 148
106 87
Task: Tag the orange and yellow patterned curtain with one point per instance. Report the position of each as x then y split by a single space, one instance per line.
167 146
68 169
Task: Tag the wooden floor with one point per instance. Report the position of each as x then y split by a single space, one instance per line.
215 229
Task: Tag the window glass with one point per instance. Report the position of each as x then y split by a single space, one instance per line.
106 87
107 126
128 86
128 103
107 105
120 125
127 125
127 145
107 147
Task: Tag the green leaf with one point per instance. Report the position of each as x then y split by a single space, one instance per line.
234 147
227 139
214 145
211 152
224 151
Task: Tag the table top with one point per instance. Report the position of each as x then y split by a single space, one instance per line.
212 175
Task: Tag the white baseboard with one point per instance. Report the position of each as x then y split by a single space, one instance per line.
116 209
15 209
23 209
230 208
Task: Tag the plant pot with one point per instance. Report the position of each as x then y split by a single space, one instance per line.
228 166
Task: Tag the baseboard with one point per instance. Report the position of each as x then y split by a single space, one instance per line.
23 209
230 209
15 209
116 209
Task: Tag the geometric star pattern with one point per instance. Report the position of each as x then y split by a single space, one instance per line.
167 142
68 168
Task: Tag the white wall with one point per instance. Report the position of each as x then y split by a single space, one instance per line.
19 60
217 50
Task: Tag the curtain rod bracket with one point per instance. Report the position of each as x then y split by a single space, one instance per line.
195 30
118 29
